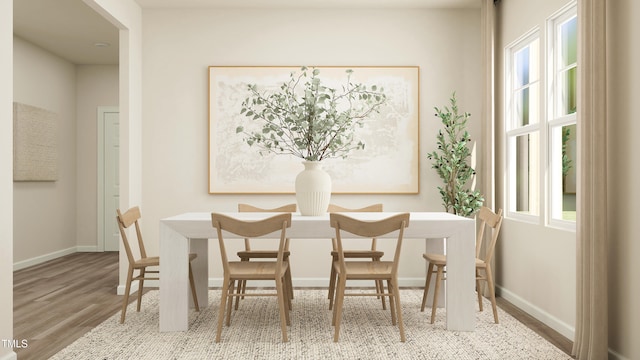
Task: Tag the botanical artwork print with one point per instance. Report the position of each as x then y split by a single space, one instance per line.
387 164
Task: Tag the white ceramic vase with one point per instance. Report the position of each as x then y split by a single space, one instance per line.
313 189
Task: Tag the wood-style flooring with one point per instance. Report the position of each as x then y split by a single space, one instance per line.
57 302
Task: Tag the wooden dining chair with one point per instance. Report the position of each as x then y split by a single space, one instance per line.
248 253
125 220
367 270
483 263
237 271
371 253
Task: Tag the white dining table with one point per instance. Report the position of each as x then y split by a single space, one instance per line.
190 232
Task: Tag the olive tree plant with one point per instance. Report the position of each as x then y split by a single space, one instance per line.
451 162
307 119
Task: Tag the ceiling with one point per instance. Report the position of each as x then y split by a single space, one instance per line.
70 29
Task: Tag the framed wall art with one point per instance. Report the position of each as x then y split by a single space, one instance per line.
389 162
35 145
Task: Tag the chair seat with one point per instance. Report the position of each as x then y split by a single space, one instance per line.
148 261
436 259
437 262
366 269
261 254
439 259
252 270
155 261
359 254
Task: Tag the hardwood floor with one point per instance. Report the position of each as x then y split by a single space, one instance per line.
57 302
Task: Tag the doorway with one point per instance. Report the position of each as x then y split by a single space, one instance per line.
108 177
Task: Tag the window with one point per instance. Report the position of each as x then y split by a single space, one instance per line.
540 123
523 126
562 98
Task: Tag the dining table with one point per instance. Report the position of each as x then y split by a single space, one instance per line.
190 232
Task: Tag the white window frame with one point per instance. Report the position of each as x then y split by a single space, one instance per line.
554 121
513 129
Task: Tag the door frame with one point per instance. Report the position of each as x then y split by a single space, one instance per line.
100 172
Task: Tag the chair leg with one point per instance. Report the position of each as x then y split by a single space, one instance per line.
193 289
479 289
392 302
380 287
140 288
337 312
127 289
435 294
396 296
239 290
286 287
288 278
280 288
229 305
333 279
223 302
492 294
426 286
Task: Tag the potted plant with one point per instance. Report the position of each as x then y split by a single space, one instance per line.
451 161
311 121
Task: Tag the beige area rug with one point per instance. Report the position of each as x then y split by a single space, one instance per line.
366 333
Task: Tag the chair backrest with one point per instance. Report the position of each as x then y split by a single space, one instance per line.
251 229
284 208
371 208
290 208
126 219
372 229
494 221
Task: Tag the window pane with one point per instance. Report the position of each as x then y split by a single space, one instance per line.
569 153
568 92
526 105
569 42
522 67
527 174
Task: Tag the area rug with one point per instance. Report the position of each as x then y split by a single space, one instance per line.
366 333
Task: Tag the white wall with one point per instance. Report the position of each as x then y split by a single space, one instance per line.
45 212
6 177
623 50
179 45
97 85
535 265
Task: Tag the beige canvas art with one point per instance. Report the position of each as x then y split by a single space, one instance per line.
35 146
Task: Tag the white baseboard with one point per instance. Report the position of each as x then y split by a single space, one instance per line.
88 248
558 325
43 258
615 356
10 356
54 255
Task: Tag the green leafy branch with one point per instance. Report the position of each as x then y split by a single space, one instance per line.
307 119
451 162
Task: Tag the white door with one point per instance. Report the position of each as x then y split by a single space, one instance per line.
108 118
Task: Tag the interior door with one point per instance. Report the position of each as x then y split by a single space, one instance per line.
110 177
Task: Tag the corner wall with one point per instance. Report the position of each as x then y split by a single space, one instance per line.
97 85
535 264
45 212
